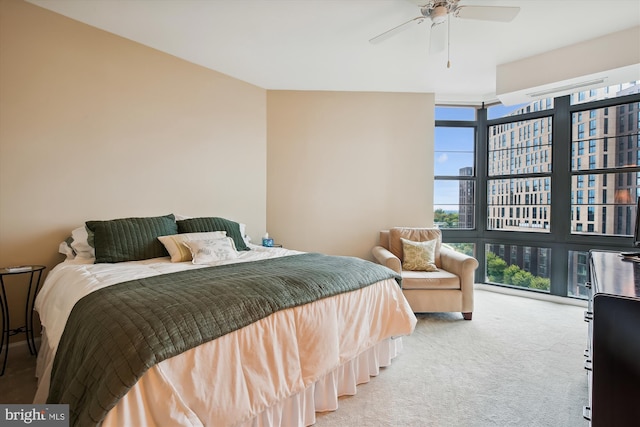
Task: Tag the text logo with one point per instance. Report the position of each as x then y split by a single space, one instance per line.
34 415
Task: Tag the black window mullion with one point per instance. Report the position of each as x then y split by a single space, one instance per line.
560 189
482 160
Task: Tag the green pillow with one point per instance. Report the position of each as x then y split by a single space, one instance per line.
131 239
208 224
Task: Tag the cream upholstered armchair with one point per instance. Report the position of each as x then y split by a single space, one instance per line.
448 288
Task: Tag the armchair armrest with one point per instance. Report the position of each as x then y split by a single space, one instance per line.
385 257
459 264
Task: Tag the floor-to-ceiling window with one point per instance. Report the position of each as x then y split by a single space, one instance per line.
605 169
518 190
455 172
548 181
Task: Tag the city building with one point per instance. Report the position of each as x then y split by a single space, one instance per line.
604 150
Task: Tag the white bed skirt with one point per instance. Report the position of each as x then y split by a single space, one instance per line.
322 396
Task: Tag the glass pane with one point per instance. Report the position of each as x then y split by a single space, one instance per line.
604 204
605 92
455 113
454 203
454 151
465 248
605 153
519 204
578 274
498 111
519 266
520 147
606 138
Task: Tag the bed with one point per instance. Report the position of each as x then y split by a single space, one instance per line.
307 332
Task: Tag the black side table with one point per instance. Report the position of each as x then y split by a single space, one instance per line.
35 274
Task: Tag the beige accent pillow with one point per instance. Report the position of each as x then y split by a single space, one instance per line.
178 251
210 251
419 256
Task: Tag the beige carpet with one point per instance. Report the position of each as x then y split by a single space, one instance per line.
18 384
519 362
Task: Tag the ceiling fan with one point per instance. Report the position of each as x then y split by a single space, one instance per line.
439 11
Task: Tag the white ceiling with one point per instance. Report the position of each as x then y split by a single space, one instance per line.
323 44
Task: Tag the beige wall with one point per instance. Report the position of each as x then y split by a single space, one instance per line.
343 165
94 126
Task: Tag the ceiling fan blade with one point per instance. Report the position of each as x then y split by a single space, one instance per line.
395 30
438 38
488 13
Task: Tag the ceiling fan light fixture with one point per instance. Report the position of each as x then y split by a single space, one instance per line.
439 14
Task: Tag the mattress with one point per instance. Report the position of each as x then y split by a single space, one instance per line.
279 370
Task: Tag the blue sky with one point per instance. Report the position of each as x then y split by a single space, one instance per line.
453 150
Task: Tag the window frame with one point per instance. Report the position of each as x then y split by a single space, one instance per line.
472 124
560 241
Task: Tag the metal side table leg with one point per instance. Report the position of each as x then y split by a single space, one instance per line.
4 343
28 315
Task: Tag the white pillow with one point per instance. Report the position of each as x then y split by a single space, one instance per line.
243 231
243 227
211 250
66 250
178 251
81 243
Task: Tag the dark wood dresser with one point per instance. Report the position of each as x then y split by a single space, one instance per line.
613 346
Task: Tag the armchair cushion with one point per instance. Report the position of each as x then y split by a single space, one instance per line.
419 256
440 279
415 235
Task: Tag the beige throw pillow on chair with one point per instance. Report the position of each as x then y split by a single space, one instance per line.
419 256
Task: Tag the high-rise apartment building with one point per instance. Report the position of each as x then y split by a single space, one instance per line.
520 165
604 141
519 195
467 199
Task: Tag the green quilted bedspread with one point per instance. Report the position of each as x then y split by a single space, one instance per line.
115 334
